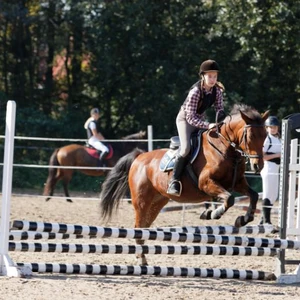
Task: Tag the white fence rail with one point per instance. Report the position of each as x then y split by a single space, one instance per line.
149 142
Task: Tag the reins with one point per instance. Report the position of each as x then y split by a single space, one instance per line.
236 147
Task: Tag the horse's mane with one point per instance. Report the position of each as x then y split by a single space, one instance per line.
248 110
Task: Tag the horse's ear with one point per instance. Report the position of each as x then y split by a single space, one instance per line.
245 117
266 115
142 133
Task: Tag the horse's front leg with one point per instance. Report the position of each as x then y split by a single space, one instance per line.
228 201
217 191
249 216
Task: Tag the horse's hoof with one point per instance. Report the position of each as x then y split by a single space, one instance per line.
275 230
215 216
240 221
218 213
271 276
206 215
69 200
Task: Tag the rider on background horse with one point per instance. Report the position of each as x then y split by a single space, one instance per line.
191 117
94 136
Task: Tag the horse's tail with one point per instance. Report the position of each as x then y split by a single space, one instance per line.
48 190
115 186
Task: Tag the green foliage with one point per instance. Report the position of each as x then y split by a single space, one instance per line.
268 34
136 60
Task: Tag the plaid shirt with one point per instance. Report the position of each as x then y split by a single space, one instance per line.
191 104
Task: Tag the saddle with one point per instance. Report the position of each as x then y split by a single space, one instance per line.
96 153
167 161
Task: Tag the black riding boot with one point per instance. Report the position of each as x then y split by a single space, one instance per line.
266 212
175 186
102 157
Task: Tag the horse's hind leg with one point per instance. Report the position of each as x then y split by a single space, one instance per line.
147 209
50 186
66 180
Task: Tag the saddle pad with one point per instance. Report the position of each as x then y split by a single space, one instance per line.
92 151
167 162
95 153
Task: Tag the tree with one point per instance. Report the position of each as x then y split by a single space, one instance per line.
268 34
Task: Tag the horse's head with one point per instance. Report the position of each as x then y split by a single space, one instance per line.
246 133
252 136
135 136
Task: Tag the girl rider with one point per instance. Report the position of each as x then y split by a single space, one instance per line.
205 93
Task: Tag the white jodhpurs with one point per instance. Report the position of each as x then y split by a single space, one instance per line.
270 181
98 145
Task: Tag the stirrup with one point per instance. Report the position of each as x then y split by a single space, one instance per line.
172 190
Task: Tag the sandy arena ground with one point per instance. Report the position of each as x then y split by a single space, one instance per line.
78 287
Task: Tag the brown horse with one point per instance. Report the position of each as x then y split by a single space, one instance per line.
75 155
219 168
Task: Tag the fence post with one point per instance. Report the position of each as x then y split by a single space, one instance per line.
7 266
150 137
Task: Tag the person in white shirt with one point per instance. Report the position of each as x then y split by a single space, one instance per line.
94 136
270 171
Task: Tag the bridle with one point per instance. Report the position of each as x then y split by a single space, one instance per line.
236 147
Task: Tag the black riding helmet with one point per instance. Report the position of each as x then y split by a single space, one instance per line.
209 65
95 111
272 121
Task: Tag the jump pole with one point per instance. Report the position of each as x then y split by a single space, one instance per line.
94 230
144 234
7 266
148 270
16 235
142 249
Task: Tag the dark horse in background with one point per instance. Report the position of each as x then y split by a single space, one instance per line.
219 168
81 156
